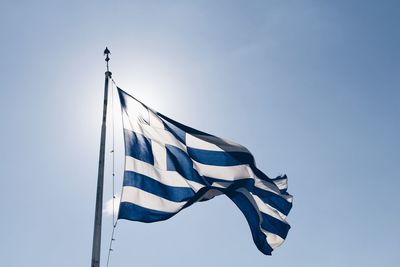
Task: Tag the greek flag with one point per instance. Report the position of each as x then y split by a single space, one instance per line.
170 166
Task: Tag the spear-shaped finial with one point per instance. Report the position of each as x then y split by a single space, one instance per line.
106 53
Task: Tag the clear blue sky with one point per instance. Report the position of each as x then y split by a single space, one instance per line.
312 88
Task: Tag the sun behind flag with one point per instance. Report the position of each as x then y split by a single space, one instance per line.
170 166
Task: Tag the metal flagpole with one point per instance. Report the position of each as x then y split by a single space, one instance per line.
100 178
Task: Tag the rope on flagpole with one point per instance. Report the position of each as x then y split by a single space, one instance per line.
114 223
115 88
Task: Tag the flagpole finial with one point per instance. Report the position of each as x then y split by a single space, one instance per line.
106 53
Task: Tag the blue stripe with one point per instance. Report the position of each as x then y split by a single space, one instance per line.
273 200
249 181
179 161
274 225
178 133
182 127
121 95
150 185
132 212
138 146
220 158
253 220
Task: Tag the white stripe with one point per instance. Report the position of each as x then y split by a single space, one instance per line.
273 240
159 155
170 178
147 200
281 183
214 143
221 184
267 209
155 121
229 173
194 142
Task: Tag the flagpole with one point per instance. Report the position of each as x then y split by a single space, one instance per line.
100 177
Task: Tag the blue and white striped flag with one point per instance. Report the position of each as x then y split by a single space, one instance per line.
170 166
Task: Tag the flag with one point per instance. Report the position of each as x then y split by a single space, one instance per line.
170 166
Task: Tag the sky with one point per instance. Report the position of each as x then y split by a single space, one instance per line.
312 88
